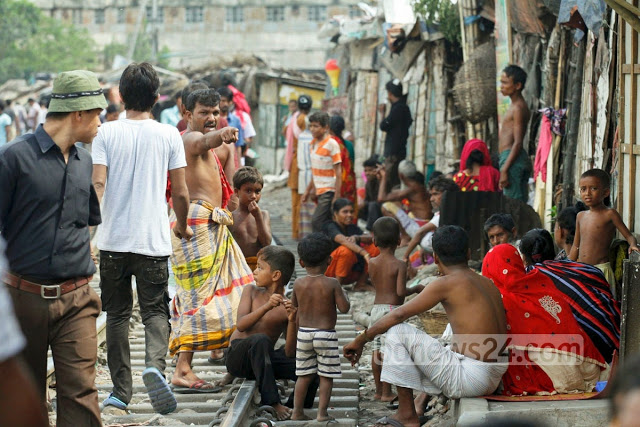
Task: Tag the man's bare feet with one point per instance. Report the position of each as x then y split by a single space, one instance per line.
282 412
227 379
191 381
421 402
384 421
183 377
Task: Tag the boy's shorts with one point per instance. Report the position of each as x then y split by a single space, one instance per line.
317 351
608 273
377 312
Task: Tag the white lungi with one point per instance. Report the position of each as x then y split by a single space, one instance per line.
413 359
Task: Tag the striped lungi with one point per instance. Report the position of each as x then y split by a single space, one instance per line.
210 272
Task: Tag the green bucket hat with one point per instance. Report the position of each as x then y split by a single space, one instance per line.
76 90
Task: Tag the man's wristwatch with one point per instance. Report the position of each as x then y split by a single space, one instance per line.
364 334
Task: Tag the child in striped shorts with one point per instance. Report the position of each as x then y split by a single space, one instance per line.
316 297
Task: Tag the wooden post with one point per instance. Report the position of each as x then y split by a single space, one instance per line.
573 124
550 187
630 309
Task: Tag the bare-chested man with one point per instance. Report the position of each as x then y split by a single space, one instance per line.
515 165
415 191
225 152
203 318
471 366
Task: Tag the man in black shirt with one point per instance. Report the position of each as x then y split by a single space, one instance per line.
371 210
47 203
396 125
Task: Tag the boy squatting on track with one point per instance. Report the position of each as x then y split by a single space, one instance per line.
316 297
263 315
251 227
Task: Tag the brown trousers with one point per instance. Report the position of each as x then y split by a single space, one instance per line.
68 325
296 201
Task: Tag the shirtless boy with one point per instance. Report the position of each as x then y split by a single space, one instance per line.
389 277
263 315
415 191
596 227
204 183
251 226
316 297
416 361
515 165
424 236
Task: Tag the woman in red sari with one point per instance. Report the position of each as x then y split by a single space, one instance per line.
549 352
476 172
348 189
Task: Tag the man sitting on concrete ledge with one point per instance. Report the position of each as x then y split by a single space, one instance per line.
471 365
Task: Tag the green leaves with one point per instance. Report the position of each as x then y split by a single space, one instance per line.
142 51
441 13
33 42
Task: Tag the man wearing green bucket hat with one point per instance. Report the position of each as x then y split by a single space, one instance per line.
47 203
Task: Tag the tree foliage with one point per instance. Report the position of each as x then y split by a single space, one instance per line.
142 51
442 13
33 42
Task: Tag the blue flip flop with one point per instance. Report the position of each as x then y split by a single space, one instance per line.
162 398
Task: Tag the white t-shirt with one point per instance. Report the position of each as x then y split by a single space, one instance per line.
10 334
137 154
427 241
249 130
42 115
33 115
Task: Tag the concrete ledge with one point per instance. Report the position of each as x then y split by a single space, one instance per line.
562 413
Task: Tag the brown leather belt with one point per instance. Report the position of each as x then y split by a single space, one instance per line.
46 291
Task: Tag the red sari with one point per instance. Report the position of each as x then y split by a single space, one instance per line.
348 188
489 177
538 317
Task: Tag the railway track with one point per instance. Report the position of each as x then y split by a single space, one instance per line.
236 404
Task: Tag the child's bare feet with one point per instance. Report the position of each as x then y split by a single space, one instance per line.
227 379
325 417
217 357
282 412
388 397
300 416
